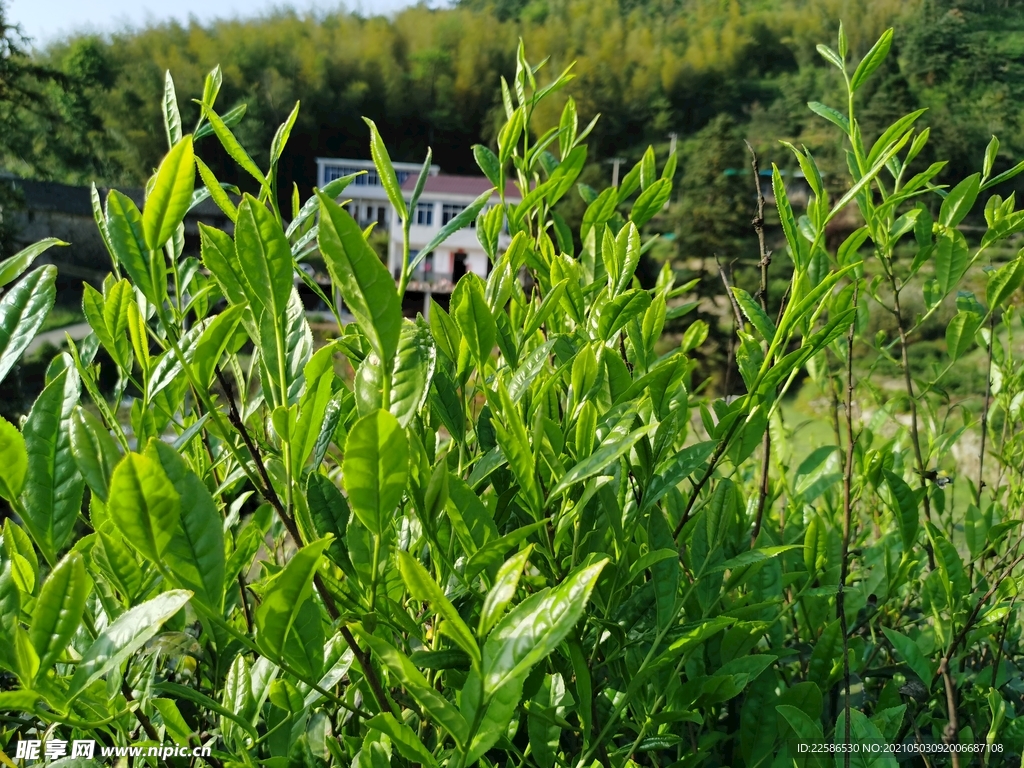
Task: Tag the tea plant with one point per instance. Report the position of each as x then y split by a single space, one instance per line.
518 534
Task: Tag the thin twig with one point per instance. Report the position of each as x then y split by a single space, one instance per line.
847 525
999 643
984 412
762 294
909 382
245 602
728 292
289 523
953 726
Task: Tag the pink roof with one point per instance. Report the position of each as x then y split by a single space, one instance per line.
471 186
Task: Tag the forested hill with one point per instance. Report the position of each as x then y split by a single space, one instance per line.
430 77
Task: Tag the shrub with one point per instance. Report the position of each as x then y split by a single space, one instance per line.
519 535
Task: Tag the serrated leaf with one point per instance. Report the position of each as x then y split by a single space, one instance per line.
94 451
375 469
871 61
535 627
59 609
171 194
757 316
365 283
123 637
14 460
144 505
422 587
52 496
504 589
283 602
264 257
386 171
474 318
958 203
195 554
22 312
403 738
11 268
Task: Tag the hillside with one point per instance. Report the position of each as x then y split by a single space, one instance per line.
427 77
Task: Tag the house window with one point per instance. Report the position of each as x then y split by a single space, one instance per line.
368 179
402 176
332 172
449 211
425 214
381 221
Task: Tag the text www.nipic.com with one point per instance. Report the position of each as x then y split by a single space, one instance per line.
155 751
31 750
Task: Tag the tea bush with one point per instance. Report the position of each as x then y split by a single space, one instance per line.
520 535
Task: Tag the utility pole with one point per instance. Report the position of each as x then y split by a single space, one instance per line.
615 161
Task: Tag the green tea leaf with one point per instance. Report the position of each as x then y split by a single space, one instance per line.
488 163
124 637
195 554
911 654
218 254
171 194
365 283
834 116
227 139
385 171
504 589
414 369
14 460
620 310
128 240
535 627
22 312
422 587
52 496
264 256
871 61
757 316
144 505
220 336
960 333
904 506
613 447
94 451
59 609
11 268
650 202
437 707
404 738
375 469
283 602
474 318
958 203
462 220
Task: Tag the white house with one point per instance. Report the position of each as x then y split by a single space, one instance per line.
443 198
369 200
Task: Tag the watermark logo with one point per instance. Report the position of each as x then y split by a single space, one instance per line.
31 750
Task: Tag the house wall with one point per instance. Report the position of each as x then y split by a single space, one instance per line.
464 241
369 200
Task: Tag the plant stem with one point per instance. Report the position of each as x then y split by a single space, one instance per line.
909 383
949 733
766 260
984 411
289 523
847 521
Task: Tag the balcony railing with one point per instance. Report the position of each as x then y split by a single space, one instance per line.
429 280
